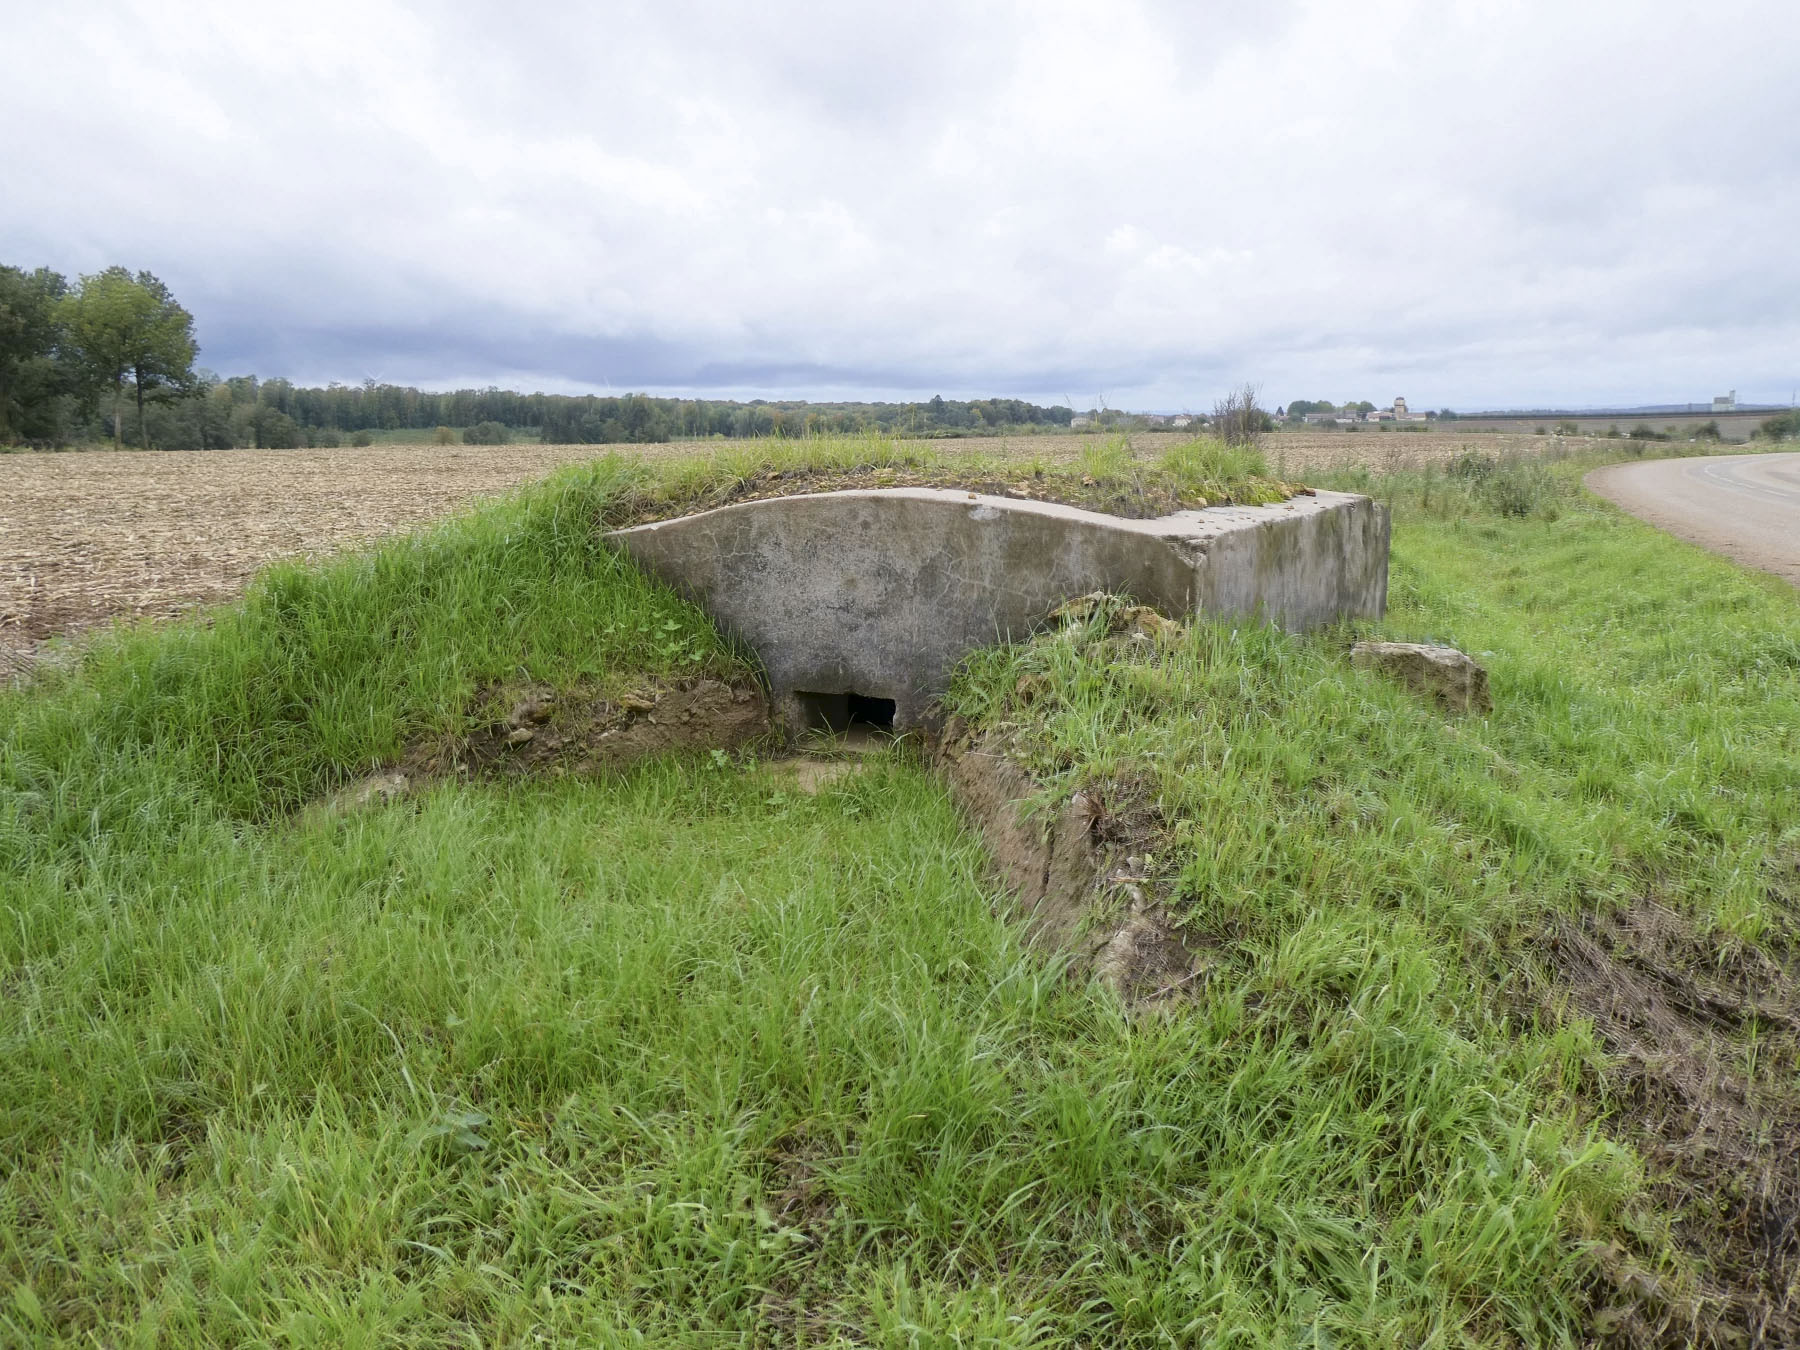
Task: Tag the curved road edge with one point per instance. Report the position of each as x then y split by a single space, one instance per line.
1744 507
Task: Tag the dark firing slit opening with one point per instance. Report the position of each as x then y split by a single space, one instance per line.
842 713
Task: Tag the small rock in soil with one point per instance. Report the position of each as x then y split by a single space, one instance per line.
533 711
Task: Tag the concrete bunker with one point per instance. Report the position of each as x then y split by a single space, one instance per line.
861 599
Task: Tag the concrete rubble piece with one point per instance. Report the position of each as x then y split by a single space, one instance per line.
1454 679
860 603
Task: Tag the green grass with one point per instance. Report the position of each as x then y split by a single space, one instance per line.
428 436
1104 474
691 1057
1365 873
1646 729
322 674
695 1052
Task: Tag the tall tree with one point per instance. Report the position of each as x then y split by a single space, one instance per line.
120 326
31 381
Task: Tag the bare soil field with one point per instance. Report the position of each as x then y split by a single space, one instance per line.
89 537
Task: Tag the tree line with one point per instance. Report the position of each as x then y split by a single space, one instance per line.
69 354
592 420
112 356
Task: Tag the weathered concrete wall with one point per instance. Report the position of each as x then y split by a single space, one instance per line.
882 592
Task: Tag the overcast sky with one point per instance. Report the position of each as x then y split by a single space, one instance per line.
1494 203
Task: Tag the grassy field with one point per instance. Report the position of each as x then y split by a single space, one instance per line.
1412 906
692 1056
428 436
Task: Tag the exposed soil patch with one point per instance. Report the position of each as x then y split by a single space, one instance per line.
812 774
537 731
1143 499
1706 1086
1075 868
800 1199
1081 868
818 762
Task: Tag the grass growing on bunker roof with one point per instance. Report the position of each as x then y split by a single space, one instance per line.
1104 476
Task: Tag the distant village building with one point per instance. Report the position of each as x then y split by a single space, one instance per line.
1725 403
1080 420
1181 420
1398 413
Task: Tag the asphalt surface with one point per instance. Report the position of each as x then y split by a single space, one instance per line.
1746 507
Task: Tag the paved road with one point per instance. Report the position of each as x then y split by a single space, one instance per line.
1744 506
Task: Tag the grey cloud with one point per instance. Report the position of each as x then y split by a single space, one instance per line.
1144 200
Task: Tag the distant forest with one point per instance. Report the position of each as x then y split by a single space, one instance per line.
274 413
113 357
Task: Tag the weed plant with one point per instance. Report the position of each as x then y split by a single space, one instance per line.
1518 487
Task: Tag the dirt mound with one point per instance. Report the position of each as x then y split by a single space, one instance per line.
1077 871
1705 1085
1081 868
535 729
532 730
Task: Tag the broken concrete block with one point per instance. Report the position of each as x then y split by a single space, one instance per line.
1451 677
